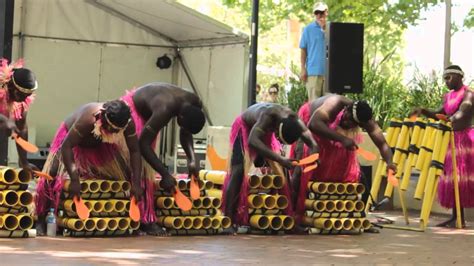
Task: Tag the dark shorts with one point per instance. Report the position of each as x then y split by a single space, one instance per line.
238 154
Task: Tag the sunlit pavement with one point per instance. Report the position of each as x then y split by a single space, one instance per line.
435 246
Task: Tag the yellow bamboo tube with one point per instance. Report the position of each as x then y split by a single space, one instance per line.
427 137
123 223
206 202
1 221
108 206
266 182
25 222
281 202
360 188
331 188
197 222
317 205
70 206
10 222
170 222
187 222
330 206
71 223
356 223
269 202
350 188
1 198
254 181
340 188
23 177
359 206
336 223
225 221
100 224
125 185
277 181
317 187
206 222
288 222
119 205
216 193
322 223
197 203
276 223
93 185
365 223
25 198
134 225
89 225
112 223
165 202
346 224
215 223
183 184
10 197
115 186
207 185
7 175
374 191
349 205
259 221
97 206
104 186
217 177
399 156
88 205
407 173
84 186
216 202
339 205
255 201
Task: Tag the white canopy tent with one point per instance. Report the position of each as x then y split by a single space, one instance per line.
93 50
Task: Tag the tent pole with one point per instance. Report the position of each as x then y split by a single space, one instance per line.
252 94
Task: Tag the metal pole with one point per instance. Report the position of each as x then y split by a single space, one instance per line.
252 94
447 36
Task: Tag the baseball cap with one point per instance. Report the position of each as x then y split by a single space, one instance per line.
320 6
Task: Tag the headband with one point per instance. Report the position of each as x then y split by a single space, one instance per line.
453 71
24 90
114 126
354 112
280 133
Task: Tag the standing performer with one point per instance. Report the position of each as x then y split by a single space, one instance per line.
457 104
153 106
253 139
96 141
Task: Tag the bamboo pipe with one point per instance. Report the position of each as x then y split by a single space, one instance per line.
225 221
317 205
214 193
14 209
84 186
356 223
365 224
359 206
266 182
215 223
96 233
346 224
350 188
187 223
25 222
192 212
349 205
183 184
10 198
330 205
340 205
104 186
13 187
119 205
1 222
215 202
277 181
269 202
314 214
317 187
69 206
276 223
197 203
281 202
197 222
71 223
427 137
414 150
315 196
170 222
10 222
264 211
288 222
199 232
134 225
254 181
320 223
112 223
206 222
255 201
100 224
259 221
7 175
123 223
25 198
207 185
94 186
89 225
165 202
455 181
125 186
108 207
23 177
216 177
331 188
97 205
400 164
206 203
360 188
84 196
115 186
336 223
340 188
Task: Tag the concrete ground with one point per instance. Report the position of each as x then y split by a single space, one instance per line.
435 246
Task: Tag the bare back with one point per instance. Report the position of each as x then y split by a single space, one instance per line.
269 111
84 119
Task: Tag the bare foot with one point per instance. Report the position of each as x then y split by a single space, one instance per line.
152 229
299 230
451 223
231 230
40 228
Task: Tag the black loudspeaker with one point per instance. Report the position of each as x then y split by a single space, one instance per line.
345 58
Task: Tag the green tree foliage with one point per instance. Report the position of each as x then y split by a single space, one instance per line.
469 21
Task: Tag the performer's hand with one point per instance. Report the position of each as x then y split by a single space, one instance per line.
287 163
193 170
349 144
75 188
392 167
304 75
11 125
168 183
137 192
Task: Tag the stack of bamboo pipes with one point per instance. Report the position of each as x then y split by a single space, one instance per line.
265 207
204 218
418 145
335 208
217 178
15 203
108 203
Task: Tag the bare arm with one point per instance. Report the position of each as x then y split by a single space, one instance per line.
256 136
304 73
463 117
186 140
135 158
319 125
375 133
307 138
23 133
73 138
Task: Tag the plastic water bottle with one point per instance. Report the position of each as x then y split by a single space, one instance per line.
51 223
